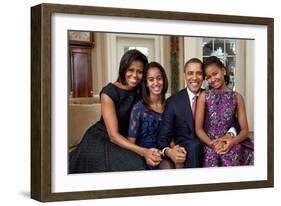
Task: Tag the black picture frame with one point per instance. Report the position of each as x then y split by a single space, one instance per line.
41 96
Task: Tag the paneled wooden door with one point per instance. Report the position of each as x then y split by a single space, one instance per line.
80 71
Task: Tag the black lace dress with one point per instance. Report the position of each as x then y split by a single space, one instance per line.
96 153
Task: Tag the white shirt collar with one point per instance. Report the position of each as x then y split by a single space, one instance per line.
191 95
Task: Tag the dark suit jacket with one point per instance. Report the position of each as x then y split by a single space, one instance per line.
178 124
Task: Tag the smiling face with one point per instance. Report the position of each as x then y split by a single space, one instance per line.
215 76
154 81
134 73
193 76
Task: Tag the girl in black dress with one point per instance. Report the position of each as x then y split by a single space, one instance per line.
104 147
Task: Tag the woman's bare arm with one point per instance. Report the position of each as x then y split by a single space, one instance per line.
111 122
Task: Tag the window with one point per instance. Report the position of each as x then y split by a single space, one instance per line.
226 50
118 44
238 56
144 50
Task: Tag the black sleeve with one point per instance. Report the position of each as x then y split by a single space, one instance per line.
111 91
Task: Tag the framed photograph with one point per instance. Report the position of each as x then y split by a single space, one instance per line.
75 52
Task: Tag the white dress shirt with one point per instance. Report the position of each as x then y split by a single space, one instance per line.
191 96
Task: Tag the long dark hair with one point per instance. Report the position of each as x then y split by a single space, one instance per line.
213 60
126 60
145 89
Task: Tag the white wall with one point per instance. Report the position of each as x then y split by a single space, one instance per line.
15 102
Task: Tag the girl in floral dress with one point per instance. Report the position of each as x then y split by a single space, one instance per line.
146 114
216 111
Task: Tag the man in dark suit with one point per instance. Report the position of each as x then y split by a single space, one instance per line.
178 123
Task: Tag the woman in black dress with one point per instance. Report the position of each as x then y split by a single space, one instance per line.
104 147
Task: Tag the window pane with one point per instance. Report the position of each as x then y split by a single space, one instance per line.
126 49
207 46
219 49
219 45
144 50
230 65
230 47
